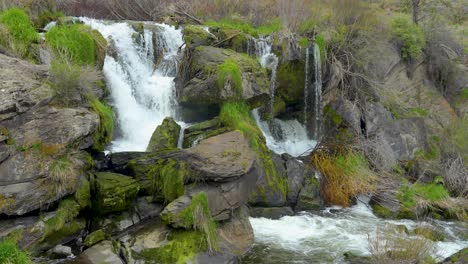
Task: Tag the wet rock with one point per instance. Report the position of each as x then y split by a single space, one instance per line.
195 134
352 258
309 198
103 252
114 192
271 212
165 136
296 172
94 238
460 257
60 252
212 76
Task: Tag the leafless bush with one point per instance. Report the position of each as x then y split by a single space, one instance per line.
456 177
390 246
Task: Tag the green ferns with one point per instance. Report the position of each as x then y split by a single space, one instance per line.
230 70
198 216
237 116
17 32
9 253
410 36
72 44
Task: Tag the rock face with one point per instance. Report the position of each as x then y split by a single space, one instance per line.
165 136
195 134
211 76
36 139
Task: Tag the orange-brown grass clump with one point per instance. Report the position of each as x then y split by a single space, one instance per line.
345 174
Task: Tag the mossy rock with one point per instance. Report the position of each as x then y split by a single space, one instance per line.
195 36
198 132
95 237
114 192
232 39
83 193
291 82
165 136
212 76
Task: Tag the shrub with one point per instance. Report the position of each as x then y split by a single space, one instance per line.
20 33
10 254
391 246
345 175
409 35
74 44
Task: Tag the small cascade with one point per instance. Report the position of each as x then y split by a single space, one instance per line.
142 93
313 90
269 61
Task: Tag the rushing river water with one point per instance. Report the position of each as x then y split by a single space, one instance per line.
323 237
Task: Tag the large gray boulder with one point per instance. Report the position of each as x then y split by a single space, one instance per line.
211 76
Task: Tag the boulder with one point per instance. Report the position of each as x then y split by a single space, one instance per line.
458 258
114 192
165 136
296 173
195 36
271 212
309 198
233 39
193 135
94 238
102 253
211 76
60 252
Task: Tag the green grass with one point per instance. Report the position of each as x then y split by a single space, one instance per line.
62 174
72 44
320 41
417 112
198 216
235 24
171 180
46 17
408 194
19 32
410 35
237 116
106 125
230 69
10 254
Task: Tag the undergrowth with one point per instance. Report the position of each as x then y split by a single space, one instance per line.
11 254
410 36
345 175
18 33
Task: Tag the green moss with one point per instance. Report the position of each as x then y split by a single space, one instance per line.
410 35
168 178
229 70
18 33
429 233
381 211
83 193
73 44
106 125
165 136
46 17
95 237
304 42
237 116
320 41
10 253
196 35
67 211
266 29
182 248
291 81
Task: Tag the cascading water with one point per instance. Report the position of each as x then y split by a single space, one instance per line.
288 136
325 236
313 82
141 95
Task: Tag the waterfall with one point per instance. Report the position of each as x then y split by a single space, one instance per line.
269 61
313 82
142 95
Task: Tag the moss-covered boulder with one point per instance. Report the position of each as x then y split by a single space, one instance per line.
195 134
233 39
95 237
114 192
195 36
291 82
211 76
165 136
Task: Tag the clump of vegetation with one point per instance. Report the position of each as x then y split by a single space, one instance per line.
243 26
10 254
409 35
198 216
46 17
73 43
229 70
237 116
346 174
62 174
391 246
168 179
105 130
17 32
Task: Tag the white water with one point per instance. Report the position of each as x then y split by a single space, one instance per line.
141 95
289 136
326 236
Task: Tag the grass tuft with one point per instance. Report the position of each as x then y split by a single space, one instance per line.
229 70
10 254
19 33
